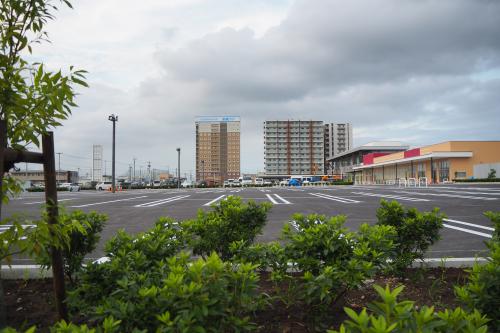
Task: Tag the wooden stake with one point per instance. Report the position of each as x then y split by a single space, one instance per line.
49 167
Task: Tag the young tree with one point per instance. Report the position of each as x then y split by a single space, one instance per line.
32 99
492 174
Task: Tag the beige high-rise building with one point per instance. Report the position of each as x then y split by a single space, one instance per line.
217 148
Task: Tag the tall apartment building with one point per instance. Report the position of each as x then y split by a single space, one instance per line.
294 147
97 163
338 139
217 148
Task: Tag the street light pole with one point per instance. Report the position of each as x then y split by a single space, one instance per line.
114 119
178 168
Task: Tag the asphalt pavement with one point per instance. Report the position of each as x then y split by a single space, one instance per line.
463 235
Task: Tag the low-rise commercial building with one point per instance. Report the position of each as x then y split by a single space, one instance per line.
36 177
341 165
436 163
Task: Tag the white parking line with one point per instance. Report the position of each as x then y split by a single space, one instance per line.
388 196
449 195
467 231
215 200
42 202
468 188
276 198
469 224
106 202
162 201
333 198
465 192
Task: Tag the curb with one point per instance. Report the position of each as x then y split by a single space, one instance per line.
37 272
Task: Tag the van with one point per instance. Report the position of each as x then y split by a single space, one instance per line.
103 186
259 181
245 181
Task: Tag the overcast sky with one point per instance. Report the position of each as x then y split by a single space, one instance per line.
418 71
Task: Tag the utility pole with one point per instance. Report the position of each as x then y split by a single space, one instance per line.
134 167
114 119
178 168
59 167
149 172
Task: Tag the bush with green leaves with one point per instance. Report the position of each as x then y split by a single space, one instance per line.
482 291
127 256
320 241
163 240
390 316
320 261
174 295
109 325
416 232
81 242
229 221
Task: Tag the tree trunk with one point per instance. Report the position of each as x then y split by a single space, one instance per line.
3 144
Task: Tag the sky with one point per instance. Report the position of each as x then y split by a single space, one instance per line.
417 71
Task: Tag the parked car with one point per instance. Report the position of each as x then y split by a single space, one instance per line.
156 183
187 183
259 181
103 186
245 181
72 187
284 182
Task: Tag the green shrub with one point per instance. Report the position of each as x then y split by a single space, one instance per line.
82 241
477 180
163 240
228 222
267 256
416 231
389 315
320 261
109 325
175 295
482 291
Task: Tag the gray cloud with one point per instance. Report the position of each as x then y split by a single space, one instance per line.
417 71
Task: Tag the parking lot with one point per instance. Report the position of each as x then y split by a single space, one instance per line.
463 235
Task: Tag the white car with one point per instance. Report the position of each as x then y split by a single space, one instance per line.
72 187
284 182
259 181
103 186
245 181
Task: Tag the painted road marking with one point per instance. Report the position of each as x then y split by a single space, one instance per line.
450 195
42 202
162 201
277 200
333 198
397 197
469 224
467 188
106 202
467 230
215 200
465 192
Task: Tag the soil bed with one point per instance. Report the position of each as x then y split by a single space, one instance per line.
30 302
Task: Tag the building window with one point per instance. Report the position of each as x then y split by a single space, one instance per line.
421 170
460 174
444 170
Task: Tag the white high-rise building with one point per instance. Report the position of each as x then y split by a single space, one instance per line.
338 139
97 163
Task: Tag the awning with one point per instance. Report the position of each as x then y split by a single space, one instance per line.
436 155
